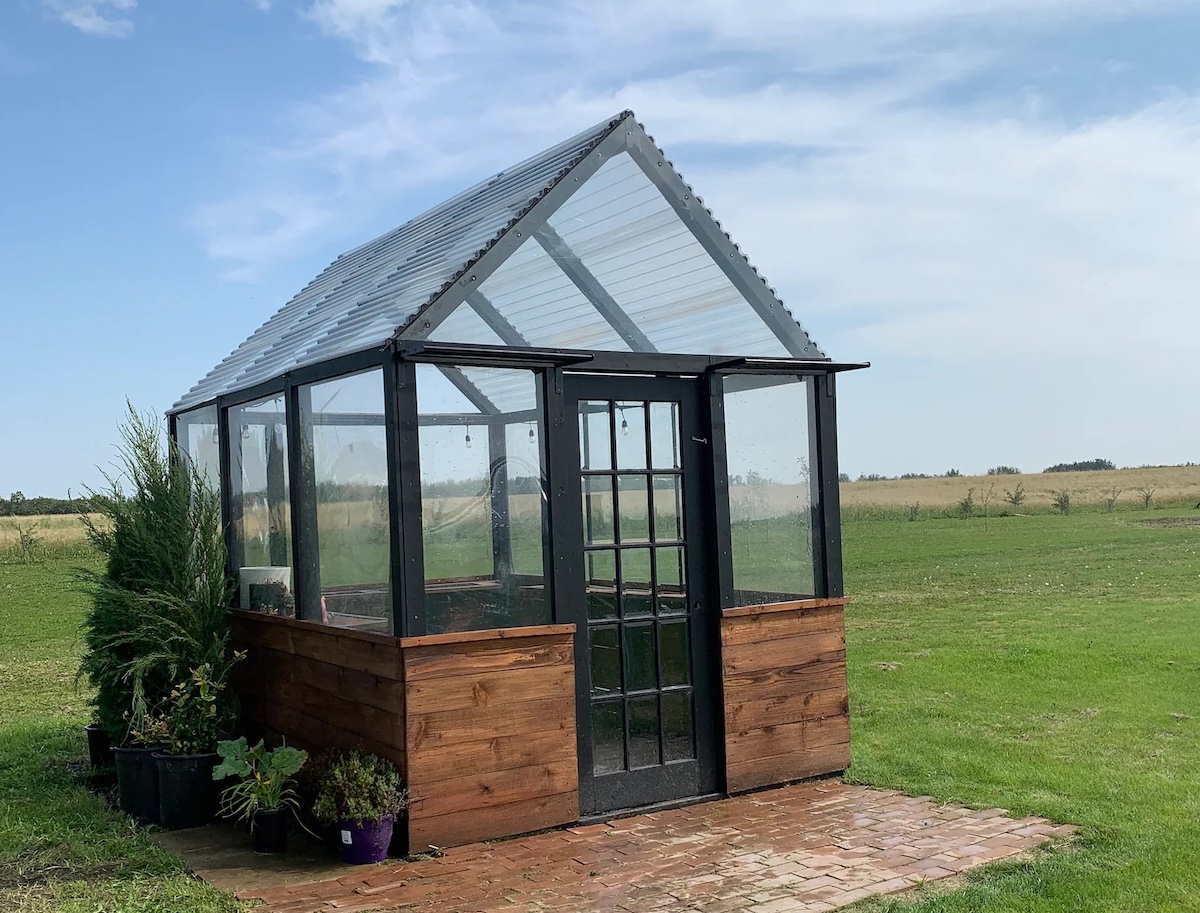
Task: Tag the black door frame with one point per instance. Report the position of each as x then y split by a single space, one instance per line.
668 782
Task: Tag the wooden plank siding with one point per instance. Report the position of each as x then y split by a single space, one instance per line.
490 734
787 713
321 686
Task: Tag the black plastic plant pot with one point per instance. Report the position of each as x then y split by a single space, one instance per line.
99 746
187 796
137 782
270 830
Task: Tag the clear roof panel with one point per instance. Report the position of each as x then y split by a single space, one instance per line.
542 304
630 238
626 246
614 268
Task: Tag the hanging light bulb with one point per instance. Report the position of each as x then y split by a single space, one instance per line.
624 426
216 436
532 436
468 438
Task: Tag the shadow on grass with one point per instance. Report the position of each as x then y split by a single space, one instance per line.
63 847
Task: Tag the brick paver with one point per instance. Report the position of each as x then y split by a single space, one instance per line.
807 847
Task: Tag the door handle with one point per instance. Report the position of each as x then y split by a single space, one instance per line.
700 440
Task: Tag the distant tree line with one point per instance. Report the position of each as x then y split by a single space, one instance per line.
17 505
1083 466
1001 470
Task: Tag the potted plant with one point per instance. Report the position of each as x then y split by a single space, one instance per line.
264 793
137 771
99 744
361 795
159 606
201 712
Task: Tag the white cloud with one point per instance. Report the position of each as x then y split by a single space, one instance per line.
95 17
977 238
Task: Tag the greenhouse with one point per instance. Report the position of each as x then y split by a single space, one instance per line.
537 495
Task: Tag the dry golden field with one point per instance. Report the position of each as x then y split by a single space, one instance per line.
53 531
1170 485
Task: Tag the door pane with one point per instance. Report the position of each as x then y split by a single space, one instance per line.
636 599
643 732
631 435
605 657
597 509
670 590
674 653
608 743
595 436
664 435
633 501
678 741
668 513
602 585
640 672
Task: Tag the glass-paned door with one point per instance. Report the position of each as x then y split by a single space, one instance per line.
647 628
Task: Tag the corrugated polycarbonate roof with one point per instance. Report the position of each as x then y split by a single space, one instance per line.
614 267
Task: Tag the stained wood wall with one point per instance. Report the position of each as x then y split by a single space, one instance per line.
320 686
787 709
490 733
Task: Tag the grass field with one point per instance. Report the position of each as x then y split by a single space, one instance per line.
1043 663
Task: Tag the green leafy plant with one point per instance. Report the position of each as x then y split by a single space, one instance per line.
966 507
196 714
158 608
28 541
1016 497
266 778
201 710
1062 500
1110 498
357 786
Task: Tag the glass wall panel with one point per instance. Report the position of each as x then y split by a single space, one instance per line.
483 498
260 506
198 440
344 511
772 486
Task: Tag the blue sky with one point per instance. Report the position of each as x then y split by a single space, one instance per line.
997 203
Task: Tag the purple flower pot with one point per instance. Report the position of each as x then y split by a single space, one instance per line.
367 842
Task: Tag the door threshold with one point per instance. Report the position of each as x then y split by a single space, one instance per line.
647 809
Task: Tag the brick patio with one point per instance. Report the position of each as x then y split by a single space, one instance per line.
808 847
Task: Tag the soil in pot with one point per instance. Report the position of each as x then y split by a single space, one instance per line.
270 830
99 746
137 782
187 796
367 842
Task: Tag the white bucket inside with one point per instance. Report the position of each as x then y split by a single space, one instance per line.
256 576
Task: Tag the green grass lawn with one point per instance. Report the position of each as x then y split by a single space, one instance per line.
1046 664
60 848
1049 665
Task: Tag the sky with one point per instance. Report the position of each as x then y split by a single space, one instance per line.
995 202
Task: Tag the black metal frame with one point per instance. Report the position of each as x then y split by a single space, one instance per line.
675 779
555 370
398 362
